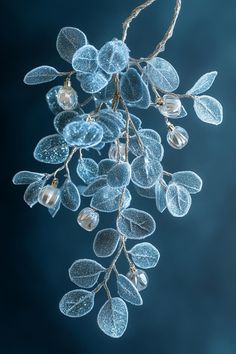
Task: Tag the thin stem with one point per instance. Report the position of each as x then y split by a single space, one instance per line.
65 165
89 99
116 97
133 15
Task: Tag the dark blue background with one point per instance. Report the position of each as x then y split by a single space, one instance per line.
190 304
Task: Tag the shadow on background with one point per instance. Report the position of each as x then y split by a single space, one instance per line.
190 305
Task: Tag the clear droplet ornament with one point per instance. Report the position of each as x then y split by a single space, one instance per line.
88 219
139 278
67 97
171 106
117 152
49 196
177 137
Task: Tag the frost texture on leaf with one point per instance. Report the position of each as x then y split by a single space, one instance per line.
85 59
203 84
145 255
27 177
113 317
145 172
135 224
119 175
107 199
131 86
87 169
136 121
106 242
94 186
160 196
85 272
208 109
93 83
107 93
69 40
151 144
54 210
32 192
113 57
128 291
83 134
40 75
111 123
178 200
70 196
145 100
51 98
77 303
63 118
105 165
51 149
146 192
162 74
188 179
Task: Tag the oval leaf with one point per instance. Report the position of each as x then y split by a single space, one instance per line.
107 93
106 242
85 272
85 60
203 84
160 196
113 317
51 98
108 199
87 169
178 200
128 291
111 123
32 192
146 192
83 134
188 179
208 109
119 175
69 40
94 186
70 196
66 117
135 224
51 149
77 303
104 166
92 83
113 57
131 85
145 255
145 172
40 75
27 177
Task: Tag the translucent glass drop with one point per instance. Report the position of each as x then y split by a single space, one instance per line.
171 106
139 278
117 152
67 98
88 219
177 137
49 196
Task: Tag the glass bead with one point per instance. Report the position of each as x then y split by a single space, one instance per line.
49 196
67 98
117 152
88 219
139 278
177 137
171 106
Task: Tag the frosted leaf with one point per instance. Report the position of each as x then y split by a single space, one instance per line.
106 242
69 40
203 84
151 144
145 100
51 149
94 186
135 224
208 109
111 122
104 166
54 210
41 75
85 272
32 192
70 196
85 60
119 175
188 179
83 134
64 118
136 121
113 317
178 200
87 169
145 255
107 93
128 291
51 98
183 114
146 192
113 57
131 85
145 172
162 74
108 199
77 303
92 83
160 196
27 177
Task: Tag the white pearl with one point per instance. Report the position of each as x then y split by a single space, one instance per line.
67 98
88 219
171 106
139 278
49 196
177 137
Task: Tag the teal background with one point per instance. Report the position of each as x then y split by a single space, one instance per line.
189 306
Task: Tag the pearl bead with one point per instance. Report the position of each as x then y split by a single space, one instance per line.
88 219
139 278
117 152
49 196
67 98
171 106
177 137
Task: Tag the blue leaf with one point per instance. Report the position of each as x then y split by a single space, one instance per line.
51 149
69 40
77 303
40 75
135 224
85 272
54 210
113 317
27 177
145 255
128 291
119 175
32 192
208 109
203 84
111 122
145 172
85 60
136 121
106 242
160 196
145 99
51 98
83 134
70 196
178 200
188 179
94 186
107 93
131 86
108 199
104 166
146 192
87 169
151 142
113 57
92 83
63 118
